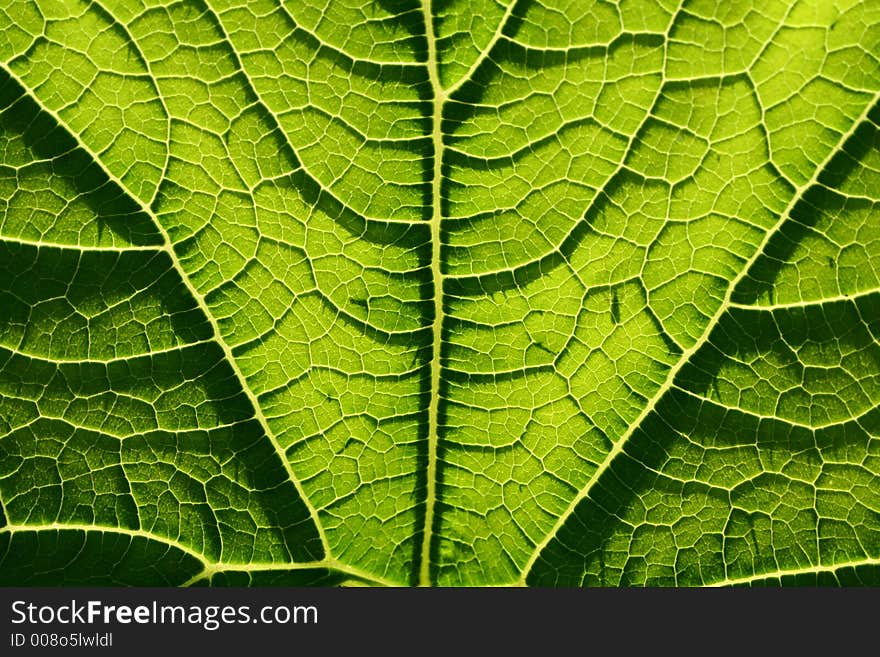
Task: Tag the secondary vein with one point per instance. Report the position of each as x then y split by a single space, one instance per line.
668 384
168 247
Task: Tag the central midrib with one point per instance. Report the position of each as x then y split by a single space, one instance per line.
438 101
440 95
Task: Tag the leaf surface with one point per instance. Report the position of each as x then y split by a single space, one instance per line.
460 293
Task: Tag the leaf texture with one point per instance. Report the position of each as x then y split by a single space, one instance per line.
521 292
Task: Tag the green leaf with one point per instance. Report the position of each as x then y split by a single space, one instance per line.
462 293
